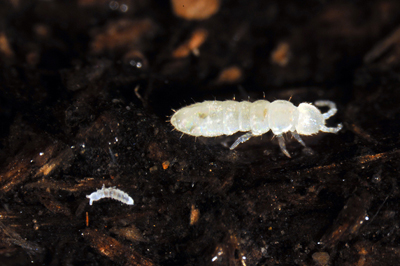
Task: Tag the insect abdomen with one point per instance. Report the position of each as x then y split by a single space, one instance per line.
216 118
244 116
230 124
259 113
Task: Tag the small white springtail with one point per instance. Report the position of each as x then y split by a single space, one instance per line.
112 193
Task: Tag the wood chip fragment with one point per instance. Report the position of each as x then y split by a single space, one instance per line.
230 75
281 54
195 9
198 37
383 46
5 47
321 258
123 33
131 233
194 215
113 249
165 165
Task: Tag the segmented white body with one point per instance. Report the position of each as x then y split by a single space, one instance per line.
112 193
216 118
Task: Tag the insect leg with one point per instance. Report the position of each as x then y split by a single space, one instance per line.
241 139
282 145
298 138
332 108
332 129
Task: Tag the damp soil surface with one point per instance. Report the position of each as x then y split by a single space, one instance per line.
86 91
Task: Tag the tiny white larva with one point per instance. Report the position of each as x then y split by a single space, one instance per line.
112 193
216 118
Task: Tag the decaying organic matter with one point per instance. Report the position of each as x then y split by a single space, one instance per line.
86 87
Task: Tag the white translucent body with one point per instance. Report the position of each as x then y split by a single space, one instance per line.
216 118
112 193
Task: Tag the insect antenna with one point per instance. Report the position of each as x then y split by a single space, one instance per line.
182 135
290 97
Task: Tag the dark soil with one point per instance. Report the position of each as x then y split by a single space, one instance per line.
86 88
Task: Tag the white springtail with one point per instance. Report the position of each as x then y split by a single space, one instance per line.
110 192
216 118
